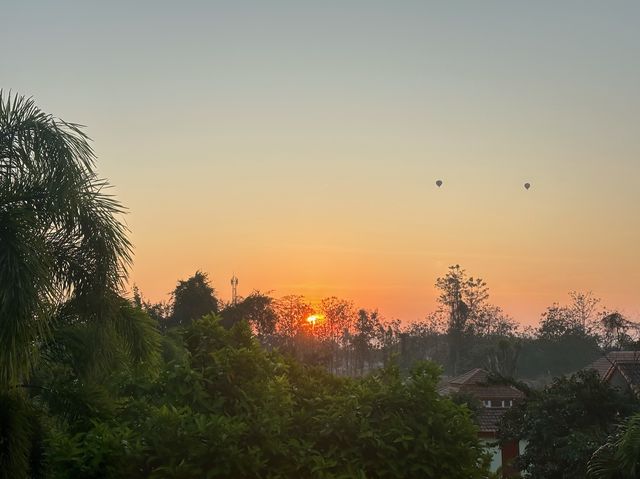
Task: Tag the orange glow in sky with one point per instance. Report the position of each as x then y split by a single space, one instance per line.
298 144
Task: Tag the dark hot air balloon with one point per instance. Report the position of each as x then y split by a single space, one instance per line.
527 186
439 183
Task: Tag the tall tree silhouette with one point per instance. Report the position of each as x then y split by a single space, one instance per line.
192 299
463 297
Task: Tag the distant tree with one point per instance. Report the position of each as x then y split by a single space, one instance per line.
503 357
558 321
564 424
364 334
292 312
423 340
546 358
490 320
258 309
464 297
388 340
160 312
586 309
618 332
581 317
339 320
571 327
615 328
192 299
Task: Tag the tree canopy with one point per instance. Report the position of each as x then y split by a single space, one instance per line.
232 409
192 299
565 423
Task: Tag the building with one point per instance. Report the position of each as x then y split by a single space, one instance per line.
496 399
619 369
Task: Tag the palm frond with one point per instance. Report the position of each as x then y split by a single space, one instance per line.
60 233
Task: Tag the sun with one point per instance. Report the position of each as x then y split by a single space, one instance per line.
313 319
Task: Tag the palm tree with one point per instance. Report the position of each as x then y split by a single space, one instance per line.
61 242
63 259
619 458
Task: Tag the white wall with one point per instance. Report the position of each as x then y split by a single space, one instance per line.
495 451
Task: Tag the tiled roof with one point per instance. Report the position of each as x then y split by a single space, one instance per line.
604 365
489 418
474 376
492 391
475 383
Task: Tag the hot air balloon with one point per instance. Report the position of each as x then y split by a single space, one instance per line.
439 183
527 186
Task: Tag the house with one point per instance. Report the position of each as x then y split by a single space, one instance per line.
619 369
496 399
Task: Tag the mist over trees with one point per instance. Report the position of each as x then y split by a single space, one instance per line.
465 331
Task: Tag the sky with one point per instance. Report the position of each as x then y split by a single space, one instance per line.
296 144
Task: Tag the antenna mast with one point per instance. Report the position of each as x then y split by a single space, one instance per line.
234 290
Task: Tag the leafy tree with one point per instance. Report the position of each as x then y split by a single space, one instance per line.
292 312
160 311
258 310
619 332
235 410
558 321
339 319
585 308
388 340
581 317
192 299
490 320
364 334
564 424
465 299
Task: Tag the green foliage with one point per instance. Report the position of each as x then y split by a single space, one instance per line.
257 309
468 400
235 410
565 424
21 438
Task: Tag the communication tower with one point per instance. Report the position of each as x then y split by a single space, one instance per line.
234 289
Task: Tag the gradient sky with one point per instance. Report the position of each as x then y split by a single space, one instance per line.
297 143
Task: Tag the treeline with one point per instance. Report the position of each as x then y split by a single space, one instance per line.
466 330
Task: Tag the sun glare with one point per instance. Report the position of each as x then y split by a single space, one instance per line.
313 319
